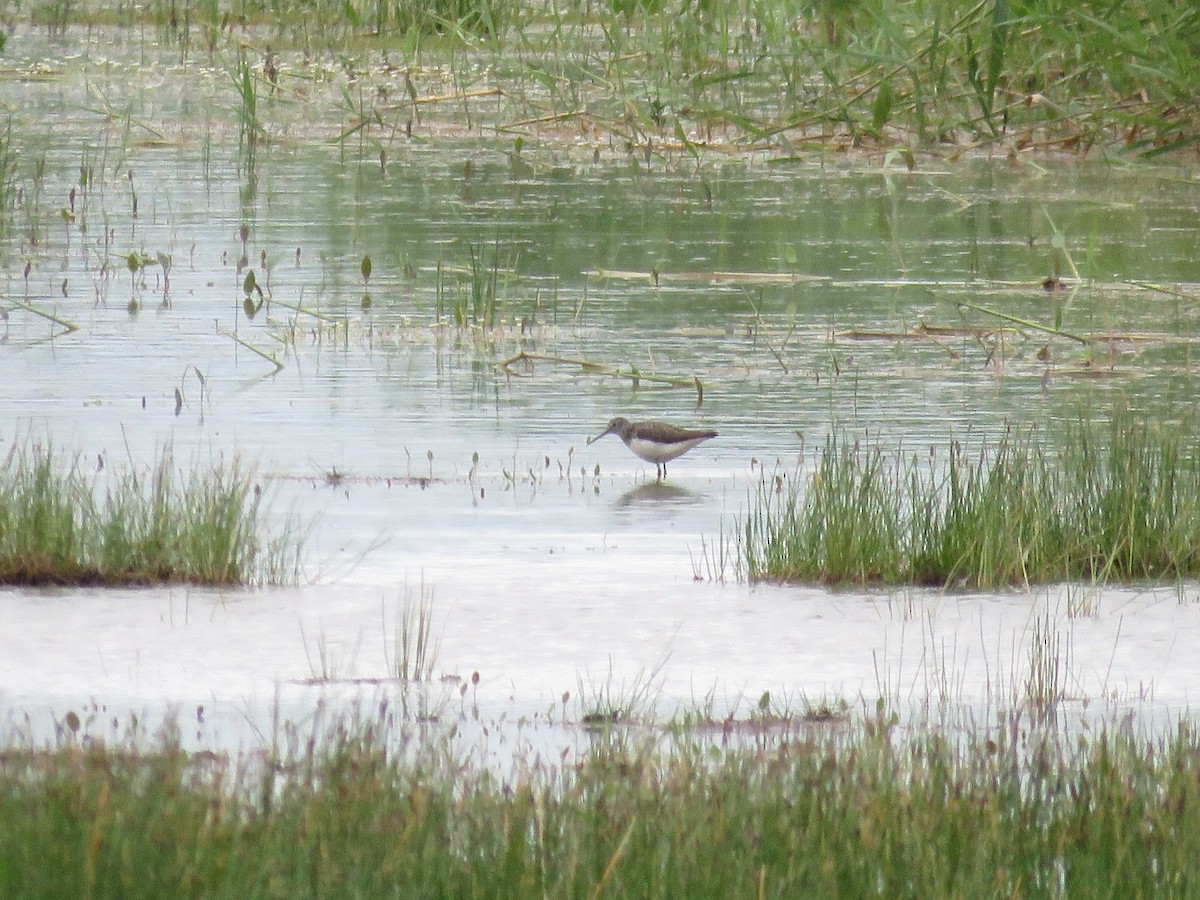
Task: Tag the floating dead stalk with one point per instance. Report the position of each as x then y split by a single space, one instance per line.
29 307
632 374
1024 323
258 351
656 277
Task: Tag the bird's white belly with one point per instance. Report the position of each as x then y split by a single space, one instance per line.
652 451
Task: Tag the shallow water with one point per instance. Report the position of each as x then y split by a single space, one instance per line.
783 289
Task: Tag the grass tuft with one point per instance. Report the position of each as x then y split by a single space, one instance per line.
1120 503
415 647
62 526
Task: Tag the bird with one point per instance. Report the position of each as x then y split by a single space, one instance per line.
656 442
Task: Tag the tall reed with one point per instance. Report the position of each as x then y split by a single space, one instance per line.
8 174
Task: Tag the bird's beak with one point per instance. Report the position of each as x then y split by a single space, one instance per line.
605 433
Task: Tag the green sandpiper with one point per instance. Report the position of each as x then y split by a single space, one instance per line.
656 442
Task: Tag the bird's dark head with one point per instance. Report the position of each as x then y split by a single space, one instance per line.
619 426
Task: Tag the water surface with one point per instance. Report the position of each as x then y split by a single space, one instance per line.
790 291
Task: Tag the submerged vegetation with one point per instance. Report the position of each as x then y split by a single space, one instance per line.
1121 504
60 525
827 810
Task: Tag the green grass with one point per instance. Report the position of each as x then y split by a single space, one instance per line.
1105 503
861 810
782 74
62 525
